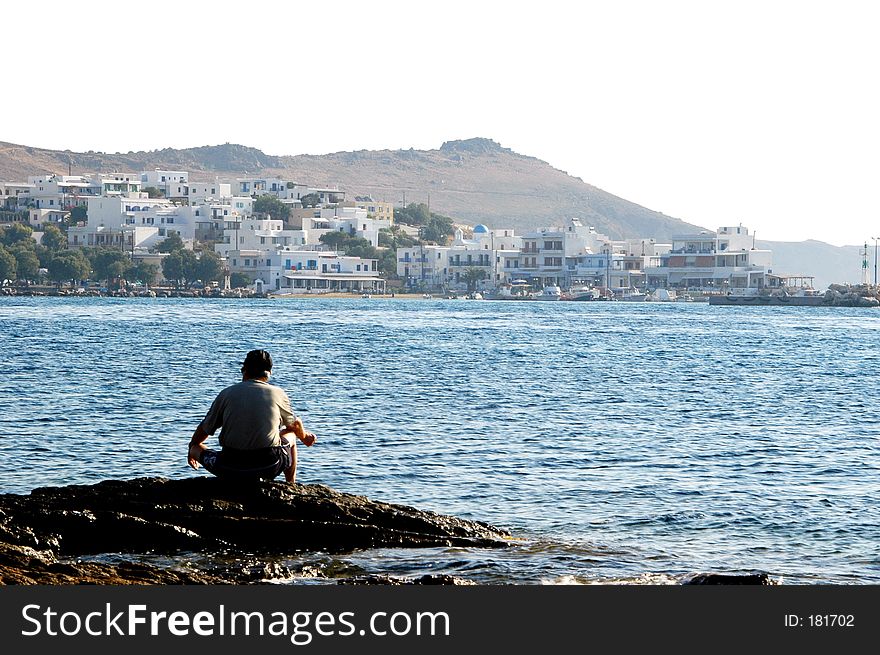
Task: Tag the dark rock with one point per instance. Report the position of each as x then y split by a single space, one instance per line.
20 565
208 515
726 579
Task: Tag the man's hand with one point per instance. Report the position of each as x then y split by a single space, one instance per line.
193 456
308 438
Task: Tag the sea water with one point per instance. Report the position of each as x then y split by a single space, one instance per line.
618 442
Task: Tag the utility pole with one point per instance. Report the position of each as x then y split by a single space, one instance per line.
864 255
876 239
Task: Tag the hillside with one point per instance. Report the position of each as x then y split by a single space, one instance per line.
474 181
828 264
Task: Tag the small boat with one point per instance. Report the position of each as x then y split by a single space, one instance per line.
366 295
662 295
550 292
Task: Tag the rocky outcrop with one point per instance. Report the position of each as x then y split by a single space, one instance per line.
762 579
204 515
845 295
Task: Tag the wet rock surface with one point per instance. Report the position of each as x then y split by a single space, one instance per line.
43 533
731 579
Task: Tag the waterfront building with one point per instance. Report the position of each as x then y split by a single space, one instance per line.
323 271
305 270
712 261
547 255
482 251
423 266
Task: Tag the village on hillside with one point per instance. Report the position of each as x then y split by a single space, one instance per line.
269 235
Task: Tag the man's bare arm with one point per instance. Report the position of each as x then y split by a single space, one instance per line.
307 438
197 439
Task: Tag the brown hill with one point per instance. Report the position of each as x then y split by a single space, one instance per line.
474 181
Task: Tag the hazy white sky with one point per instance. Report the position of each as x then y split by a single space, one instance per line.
764 113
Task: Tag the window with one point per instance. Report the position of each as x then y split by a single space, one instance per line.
247 262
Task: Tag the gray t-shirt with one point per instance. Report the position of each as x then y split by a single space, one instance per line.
249 414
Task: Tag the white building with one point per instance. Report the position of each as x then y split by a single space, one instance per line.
39 218
257 235
199 192
493 251
713 261
353 221
58 191
172 183
110 216
423 266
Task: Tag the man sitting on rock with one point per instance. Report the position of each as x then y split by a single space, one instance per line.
250 415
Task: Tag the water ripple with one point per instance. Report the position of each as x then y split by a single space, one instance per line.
621 441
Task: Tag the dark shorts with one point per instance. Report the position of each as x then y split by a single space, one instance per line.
263 463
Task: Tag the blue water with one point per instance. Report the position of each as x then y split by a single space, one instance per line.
620 442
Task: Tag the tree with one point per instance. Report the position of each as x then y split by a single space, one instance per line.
413 214
15 233
77 214
435 227
210 267
153 192
350 245
7 264
239 280
438 229
388 264
395 238
180 266
110 264
68 265
171 243
473 275
54 239
269 204
142 272
27 262
310 200
336 240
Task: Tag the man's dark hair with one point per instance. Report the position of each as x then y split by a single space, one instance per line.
257 364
